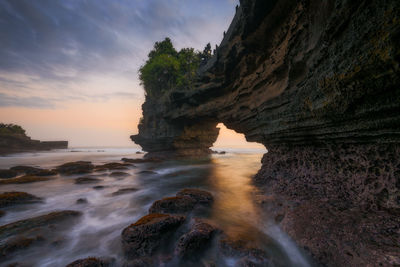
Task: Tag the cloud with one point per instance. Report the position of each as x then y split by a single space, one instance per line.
52 48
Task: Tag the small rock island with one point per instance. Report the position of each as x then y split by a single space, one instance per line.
13 139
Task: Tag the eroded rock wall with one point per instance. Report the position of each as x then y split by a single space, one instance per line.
316 82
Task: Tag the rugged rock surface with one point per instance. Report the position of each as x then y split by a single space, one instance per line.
316 82
17 198
26 179
147 235
5 174
191 244
52 219
93 262
77 167
87 180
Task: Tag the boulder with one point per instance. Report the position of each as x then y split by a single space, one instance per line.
77 167
93 262
54 219
123 191
113 166
87 180
200 196
25 169
81 201
4 174
143 238
248 254
17 243
29 170
17 198
179 204
24 179
191 244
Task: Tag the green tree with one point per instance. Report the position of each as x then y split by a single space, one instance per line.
166 69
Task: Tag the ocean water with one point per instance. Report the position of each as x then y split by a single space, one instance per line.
97 233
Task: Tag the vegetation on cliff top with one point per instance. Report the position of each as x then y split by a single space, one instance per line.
167 69
11 129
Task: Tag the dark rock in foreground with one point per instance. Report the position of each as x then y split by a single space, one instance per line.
145 237
114 166
78 167
249 255
178 205
17 243
93 262
200 196
81 201
17 198
87 180
123 191
29 170
22 226
4 174
191 244
24 179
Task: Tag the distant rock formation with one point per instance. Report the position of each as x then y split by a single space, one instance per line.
316 82
13 140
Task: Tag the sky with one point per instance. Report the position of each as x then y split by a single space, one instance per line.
69 69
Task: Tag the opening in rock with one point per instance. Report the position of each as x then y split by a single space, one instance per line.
229 139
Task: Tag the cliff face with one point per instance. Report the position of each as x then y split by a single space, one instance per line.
316 82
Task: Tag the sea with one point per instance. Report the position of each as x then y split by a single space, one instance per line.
98 232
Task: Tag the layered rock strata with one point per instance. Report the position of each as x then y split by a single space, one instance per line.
316 82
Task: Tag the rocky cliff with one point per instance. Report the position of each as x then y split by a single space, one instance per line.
316 82
20 142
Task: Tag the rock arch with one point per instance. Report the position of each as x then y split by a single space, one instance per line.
316 82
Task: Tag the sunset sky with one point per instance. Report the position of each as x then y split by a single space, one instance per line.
68 69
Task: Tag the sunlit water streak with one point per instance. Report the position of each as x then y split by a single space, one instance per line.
227 177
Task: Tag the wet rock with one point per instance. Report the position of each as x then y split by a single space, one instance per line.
4 174
139 152
179 205
46 173
99 187
119 174
54 218
200 196
144 237
123 191
17 243
87 180
24 179
81 201
93 262
191 244
26 169
114 166
77 167
140 262
2 213
17 198
248 254
140 160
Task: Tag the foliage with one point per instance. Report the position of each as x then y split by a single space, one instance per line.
9 129
167 69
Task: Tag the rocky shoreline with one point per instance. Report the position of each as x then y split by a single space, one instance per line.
316 82
176 230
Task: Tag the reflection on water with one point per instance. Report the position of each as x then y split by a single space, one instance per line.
227 177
